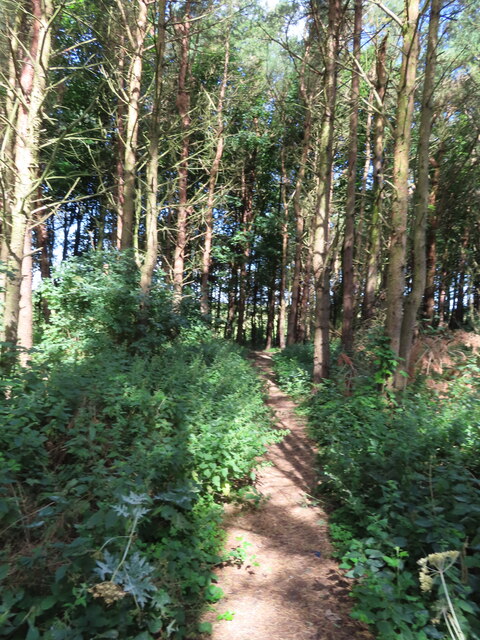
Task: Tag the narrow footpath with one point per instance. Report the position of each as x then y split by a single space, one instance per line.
289 588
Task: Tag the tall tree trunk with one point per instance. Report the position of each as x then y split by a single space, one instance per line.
25 312
360 242
151 214
134 81
183 107
283 266
442 293
120 142
321 340
401 156
32 85
7 148
248 185
270 312
78 230
297 204
42 237
232 301
458 304
435 208
207 249
302 324
242 296
375 233
421 198
349 238
254 333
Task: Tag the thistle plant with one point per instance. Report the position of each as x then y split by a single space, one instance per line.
434 566
129 573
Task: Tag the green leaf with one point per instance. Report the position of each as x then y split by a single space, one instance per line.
205 627
33 633
392 562
47 603
214 593
423 522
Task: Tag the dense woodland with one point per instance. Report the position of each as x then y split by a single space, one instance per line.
179 180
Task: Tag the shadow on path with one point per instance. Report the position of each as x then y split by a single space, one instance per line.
290 588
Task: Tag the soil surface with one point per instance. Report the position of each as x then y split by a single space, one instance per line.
289 588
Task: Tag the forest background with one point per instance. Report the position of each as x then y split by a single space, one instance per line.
179 176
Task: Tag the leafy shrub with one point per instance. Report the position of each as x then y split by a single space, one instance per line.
118 446
402 474
293 368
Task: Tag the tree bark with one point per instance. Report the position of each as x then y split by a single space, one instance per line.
401 154
248 185
375 234
421 198
435 207
283 267
32 85
207 249
134 81
151 214
42 236
25 312
270 312
232 303
120 143
302 320
183 107
7 147
321 340
349 238
297 205
360 242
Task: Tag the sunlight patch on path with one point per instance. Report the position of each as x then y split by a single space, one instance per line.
290 588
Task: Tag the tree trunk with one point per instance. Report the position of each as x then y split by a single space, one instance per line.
134 82
435 208
7 149
375 235
42 236
32 85
349 238
360 243
151 214
283 266
183 107
421 198
297 205
207 250
458 306
401 155
270 313
302 324
248 184
232 302
120 142
442 294
25 312
321 342
78 235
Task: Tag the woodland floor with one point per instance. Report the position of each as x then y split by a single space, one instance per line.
297 591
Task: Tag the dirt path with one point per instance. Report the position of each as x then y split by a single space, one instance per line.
297 591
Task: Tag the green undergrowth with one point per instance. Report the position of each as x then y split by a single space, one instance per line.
118 447
402 478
